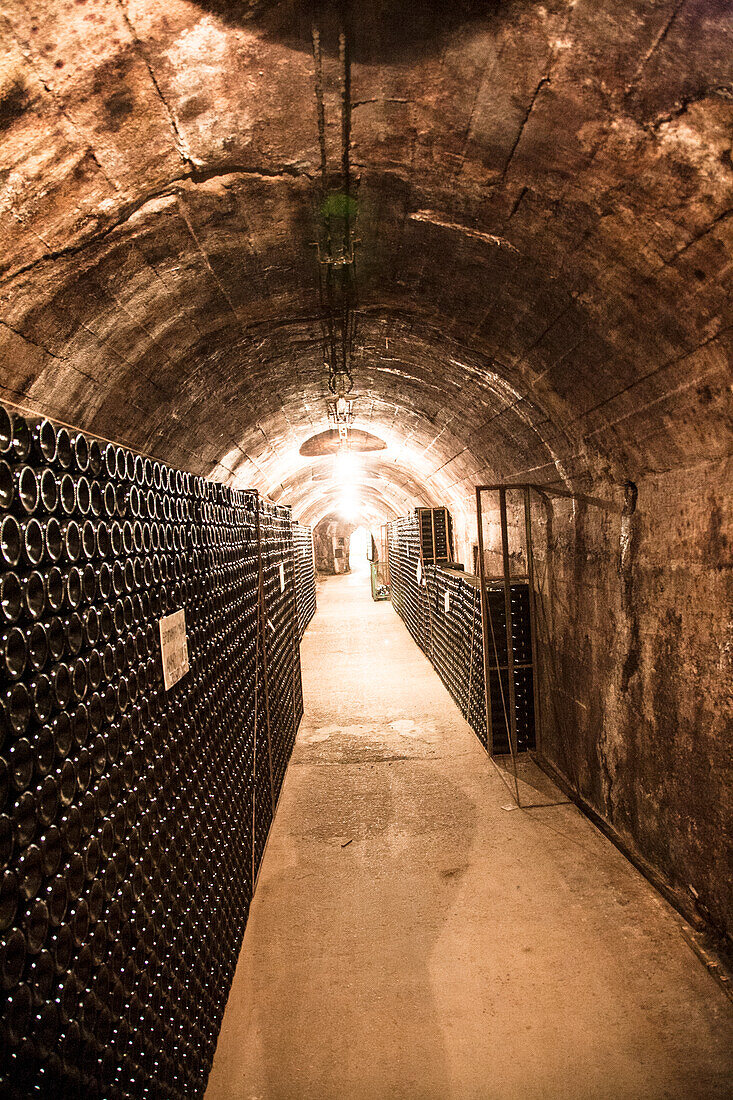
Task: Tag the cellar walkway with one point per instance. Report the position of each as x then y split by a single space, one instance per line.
415 937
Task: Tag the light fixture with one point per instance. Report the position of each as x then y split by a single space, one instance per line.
341 416
335 243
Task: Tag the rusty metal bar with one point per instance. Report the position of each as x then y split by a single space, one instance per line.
552 491
484 625
261 603
512 730
295 628
533 618
254 753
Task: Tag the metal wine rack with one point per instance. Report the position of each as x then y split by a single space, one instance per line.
436 534
132 819
305 575
441 607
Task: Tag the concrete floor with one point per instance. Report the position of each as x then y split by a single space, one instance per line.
414 936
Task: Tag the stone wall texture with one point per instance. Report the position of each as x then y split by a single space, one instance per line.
544 211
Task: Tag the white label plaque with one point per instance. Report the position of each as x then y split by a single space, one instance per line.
446 602
174 647
282 576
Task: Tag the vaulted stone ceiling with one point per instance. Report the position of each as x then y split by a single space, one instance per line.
544 196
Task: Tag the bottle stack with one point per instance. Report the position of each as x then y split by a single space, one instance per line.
305 575
441 607
132 819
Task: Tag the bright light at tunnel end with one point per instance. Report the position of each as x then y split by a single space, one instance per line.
357 486
349 505
346 468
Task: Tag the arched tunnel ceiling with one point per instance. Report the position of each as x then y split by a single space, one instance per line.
387 489
544 197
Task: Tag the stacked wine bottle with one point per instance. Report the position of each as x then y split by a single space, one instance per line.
132 819
305 575
441 607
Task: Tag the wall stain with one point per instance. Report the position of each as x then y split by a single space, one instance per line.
14 102
716 545
629 547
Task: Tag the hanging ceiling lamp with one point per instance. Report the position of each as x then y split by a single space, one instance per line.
336 243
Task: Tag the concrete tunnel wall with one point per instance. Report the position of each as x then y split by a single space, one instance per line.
544 269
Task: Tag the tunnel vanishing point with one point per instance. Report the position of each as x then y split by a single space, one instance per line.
271 264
